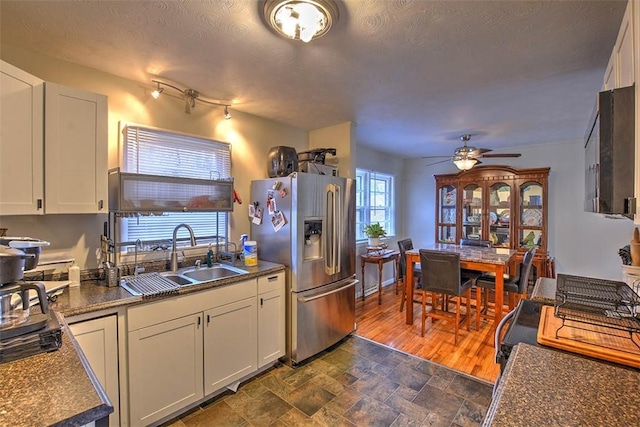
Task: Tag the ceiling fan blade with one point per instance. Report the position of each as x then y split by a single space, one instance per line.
441 161
435 157
479 152
487 156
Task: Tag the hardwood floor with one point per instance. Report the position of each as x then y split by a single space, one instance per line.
474 354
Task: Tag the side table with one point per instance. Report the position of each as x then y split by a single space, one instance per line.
380 258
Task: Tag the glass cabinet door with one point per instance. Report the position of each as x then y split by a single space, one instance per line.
447 214
472 212
500 215
530 227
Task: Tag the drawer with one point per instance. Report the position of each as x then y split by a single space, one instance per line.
271 282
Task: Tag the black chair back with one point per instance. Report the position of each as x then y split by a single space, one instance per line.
475 242
525 270
404 246
441 272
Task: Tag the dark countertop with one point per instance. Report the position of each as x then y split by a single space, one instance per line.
56 388
543 387
59 388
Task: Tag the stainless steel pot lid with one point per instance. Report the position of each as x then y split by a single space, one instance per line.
22 244
6 251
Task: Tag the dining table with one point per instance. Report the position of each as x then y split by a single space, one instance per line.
495 260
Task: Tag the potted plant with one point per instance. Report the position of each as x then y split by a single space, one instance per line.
374 232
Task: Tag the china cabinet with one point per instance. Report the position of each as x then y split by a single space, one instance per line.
502 204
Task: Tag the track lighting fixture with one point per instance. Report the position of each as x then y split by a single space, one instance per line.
190 97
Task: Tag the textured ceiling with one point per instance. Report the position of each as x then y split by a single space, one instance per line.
412 74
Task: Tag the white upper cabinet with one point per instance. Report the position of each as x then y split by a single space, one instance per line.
620 71
75 150
21 142
53 147
624 50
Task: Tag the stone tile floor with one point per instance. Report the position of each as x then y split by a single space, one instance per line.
355 383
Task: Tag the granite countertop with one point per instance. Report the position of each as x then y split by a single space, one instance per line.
545 291
56 388
543 387
92 296
499 256
59 388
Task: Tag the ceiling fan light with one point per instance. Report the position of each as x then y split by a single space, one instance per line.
464 163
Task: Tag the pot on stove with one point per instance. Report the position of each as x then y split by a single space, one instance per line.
12 264
28 245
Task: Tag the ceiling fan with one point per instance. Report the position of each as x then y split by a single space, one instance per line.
466 157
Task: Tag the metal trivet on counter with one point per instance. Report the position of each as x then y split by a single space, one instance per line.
597 302
149 285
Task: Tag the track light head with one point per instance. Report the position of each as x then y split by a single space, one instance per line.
156 93
227 116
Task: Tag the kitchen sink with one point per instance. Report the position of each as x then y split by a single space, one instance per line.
217 271
179 280
194 276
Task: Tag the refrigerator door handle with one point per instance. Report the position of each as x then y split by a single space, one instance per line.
330 232
337 227
333 213
322 295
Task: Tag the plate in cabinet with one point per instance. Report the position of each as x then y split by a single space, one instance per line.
532 217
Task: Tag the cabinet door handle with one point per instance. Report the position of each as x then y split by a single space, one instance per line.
208 319
100 204
39 204
272 278
199 320
261 302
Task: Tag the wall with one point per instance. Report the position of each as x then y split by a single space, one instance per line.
382 162
250 137
582 243
342 137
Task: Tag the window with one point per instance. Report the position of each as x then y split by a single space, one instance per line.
159 152
374 201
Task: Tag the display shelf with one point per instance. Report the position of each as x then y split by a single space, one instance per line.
130 192
500 204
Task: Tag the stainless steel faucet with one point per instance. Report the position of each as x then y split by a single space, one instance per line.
135 258
174 253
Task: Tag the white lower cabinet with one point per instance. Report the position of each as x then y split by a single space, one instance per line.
98 339
186 347
271 318
230 343
165 368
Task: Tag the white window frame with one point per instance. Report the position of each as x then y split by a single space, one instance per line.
366 196
153 228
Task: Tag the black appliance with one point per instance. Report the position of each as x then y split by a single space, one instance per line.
610 154
282 161
522 328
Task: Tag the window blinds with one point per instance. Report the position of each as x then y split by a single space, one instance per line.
154 151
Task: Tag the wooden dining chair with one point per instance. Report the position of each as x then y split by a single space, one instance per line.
516 287
405 245
441 277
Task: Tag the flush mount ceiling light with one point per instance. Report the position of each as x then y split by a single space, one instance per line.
304 20
190 96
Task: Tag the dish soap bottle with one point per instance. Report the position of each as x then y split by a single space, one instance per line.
210 256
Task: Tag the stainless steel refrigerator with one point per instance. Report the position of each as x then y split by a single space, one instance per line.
308 224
